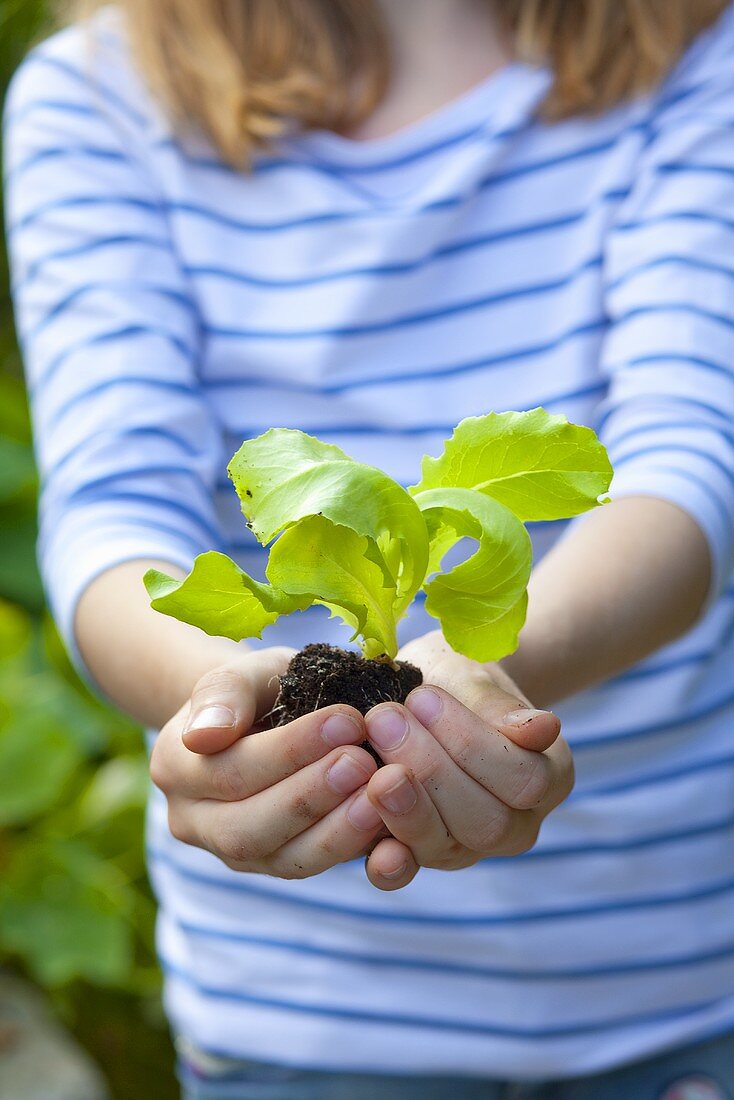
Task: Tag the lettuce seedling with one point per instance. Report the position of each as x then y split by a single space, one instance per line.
350 538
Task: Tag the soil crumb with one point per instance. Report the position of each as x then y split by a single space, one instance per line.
321 675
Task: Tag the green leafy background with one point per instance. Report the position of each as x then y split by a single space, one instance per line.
76 913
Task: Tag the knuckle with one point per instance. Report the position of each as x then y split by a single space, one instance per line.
454 857
524 841
238 847
227 780
224 679
289 869
533 782
494 829
301 807
179 826
463 744
568 772
159 767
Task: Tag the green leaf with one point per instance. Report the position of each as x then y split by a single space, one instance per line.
538 465
481 603
66 912
334 566
17 469
284 476
219 598
15 630
35 765
117 786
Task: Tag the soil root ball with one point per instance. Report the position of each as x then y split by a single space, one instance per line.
321 675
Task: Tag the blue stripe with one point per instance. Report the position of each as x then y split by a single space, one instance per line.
65 152
229 222
112 383
676 307
121 476
193 546
340 170
88 84
665 358
670 425
689 262
677 448
410 319
722 506
406 267
162 504
245 884
463 970
432 1022
106 338
136 239
371 212
421 374
654 779
704 217
663 668
665 398
632 844
82 201
93 288
687 168
645 730
155 433
309 161
252 430
13 118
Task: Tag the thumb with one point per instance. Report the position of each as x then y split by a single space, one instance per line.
515 717
229 699
490 693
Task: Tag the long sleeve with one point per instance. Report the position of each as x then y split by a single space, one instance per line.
127 447
668 420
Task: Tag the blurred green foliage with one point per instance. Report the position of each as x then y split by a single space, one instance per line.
76 912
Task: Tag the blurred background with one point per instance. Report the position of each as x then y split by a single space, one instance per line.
76 913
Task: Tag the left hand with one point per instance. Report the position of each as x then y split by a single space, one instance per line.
471 770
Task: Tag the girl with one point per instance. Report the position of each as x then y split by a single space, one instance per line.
368 220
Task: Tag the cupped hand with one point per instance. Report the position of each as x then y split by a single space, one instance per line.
471 769
289 802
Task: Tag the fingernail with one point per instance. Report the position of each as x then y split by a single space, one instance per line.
363 814
425 704
522 717
341 729
400 798
387 728
346 775
397 873
211 718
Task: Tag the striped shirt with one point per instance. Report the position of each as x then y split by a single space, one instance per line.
374 294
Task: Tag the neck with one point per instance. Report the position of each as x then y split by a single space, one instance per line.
439 50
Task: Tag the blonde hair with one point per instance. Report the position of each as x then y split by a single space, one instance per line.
244 71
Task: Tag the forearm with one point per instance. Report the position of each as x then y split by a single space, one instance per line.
145 662
628 580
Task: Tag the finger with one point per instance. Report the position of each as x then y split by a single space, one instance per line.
414 819
256 761
390 865
245 832
473 816
501 704
344 834
519 778
228 700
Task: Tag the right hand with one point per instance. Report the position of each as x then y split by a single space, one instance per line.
289 801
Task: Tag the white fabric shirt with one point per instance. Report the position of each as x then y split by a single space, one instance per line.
374 294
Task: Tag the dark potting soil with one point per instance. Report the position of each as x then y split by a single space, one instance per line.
321 675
